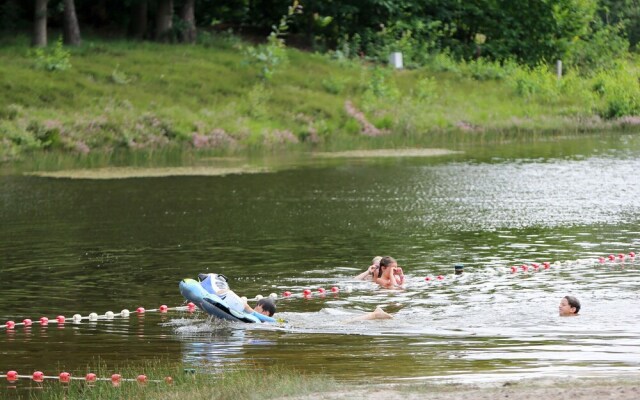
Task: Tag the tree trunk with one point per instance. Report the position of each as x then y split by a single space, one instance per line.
164 20
188 33
40 24
139 20
71 27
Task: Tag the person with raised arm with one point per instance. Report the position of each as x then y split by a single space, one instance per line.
389 275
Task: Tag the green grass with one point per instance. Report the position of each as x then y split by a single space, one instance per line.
140 95
252 383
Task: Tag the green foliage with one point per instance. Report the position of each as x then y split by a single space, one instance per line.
351 127
11 112
426 90
619 90
482 69
273 56
174 95
380 84
599 50
444 62
413 38
536 81
348 47
18 138
257 101
583 33
54 59
624 14
384 122
224 39
47 134
335 84
119 77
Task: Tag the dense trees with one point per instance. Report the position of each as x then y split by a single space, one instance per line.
527 30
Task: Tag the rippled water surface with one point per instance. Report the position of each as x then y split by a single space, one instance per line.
81 246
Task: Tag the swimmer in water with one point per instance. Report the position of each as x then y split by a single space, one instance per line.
370 272
569 306
378 313
389 275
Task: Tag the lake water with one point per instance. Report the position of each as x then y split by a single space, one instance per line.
72 246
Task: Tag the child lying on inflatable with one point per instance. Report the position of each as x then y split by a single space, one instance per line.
213 295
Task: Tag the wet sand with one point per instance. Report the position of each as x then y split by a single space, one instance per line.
388 153
129 172
574 389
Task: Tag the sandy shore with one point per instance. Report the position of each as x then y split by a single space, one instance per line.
627 389
394 153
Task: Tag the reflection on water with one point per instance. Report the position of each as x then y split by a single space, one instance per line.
74 246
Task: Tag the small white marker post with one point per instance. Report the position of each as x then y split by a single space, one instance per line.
395 60
559 69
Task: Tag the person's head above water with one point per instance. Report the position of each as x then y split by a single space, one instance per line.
265 306
385 262
569 306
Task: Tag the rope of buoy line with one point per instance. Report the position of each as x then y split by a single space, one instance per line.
65 377
109 315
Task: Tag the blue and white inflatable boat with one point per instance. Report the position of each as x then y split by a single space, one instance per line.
202 294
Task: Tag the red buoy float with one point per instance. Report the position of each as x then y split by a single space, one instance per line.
10 324
27 322
64 377
286 294
90 377
12 376
140 310
44 321
335 289
163 308
38 376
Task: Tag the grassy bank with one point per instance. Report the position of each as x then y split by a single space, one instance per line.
184 384
279 383
129 95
